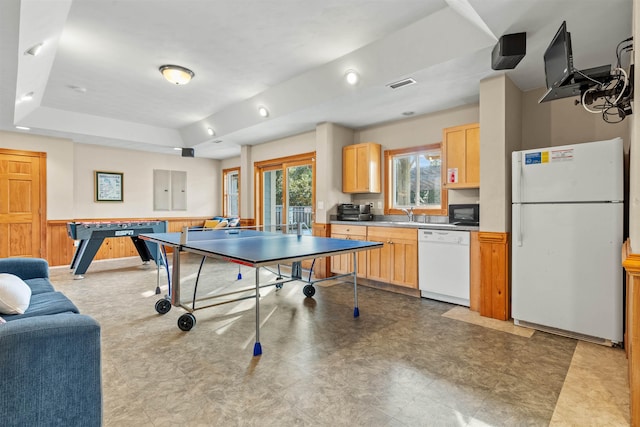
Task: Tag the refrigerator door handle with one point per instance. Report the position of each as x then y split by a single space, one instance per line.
517 213
516 179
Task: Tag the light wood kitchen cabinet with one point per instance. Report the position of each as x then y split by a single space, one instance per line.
397 261
461 152
343 264
361 168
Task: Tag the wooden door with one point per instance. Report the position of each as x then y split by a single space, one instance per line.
22 204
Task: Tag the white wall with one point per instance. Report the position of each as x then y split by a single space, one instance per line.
70 179
492 155
561 122
233 162
284 147
330 138
420 130
203 183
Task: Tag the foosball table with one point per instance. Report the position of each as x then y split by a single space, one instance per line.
90 235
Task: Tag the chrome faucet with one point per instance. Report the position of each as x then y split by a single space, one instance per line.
409 213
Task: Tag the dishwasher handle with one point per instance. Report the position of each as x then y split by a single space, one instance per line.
445 237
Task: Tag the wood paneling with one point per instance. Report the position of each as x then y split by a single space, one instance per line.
494 275
631 264
474 272
322 269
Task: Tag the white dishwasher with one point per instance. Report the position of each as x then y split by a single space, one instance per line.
443 265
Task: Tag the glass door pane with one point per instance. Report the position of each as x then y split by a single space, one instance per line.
272 200
299 196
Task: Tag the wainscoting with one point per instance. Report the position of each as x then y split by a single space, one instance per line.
494 275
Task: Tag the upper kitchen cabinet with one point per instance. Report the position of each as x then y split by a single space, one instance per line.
461 151
361 168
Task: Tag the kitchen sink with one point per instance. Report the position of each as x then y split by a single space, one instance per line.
417 224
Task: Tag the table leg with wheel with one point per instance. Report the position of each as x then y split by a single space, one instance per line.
356 310
257 348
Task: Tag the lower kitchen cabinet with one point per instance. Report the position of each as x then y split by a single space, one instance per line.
343 264
397 261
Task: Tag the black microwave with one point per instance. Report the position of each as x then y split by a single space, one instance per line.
464 214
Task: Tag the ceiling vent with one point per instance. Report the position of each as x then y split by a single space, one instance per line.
401 83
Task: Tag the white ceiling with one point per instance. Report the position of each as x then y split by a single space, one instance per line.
288 55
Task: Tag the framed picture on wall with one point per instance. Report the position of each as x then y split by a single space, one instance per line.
109 186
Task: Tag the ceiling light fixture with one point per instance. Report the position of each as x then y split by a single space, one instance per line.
176 74
34 50
263 112
27 96
211 132
352 77
23 128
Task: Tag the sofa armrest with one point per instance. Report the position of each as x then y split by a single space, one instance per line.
50 371
25 268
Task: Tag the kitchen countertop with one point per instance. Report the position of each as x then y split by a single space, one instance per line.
406 224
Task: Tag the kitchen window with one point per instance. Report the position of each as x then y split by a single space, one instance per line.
231 192
413 179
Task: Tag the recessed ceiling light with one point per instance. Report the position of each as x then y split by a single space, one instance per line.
176 74
352 77
23 128
211 132
263 112
34 50
27 96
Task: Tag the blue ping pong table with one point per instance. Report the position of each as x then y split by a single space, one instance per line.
255 249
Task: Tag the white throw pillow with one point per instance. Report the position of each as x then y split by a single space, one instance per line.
15 295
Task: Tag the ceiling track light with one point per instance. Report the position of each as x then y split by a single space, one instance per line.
34 50
352 77
263 111
176 74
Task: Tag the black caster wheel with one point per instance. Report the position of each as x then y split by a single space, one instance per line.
186 322
279 285
309 291
163 306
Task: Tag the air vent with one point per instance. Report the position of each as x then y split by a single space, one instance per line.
401 83
217 141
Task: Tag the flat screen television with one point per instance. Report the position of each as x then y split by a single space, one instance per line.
558 59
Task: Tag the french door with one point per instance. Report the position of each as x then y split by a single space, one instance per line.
286 193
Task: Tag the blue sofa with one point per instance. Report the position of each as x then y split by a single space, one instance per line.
50 372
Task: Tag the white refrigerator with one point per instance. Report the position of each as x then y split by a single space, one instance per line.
567 230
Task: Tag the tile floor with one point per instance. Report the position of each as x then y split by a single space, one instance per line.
404 362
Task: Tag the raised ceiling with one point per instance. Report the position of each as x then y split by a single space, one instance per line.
97 80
